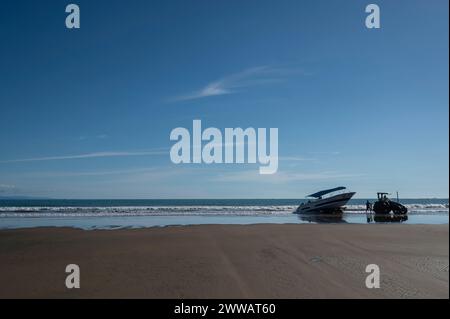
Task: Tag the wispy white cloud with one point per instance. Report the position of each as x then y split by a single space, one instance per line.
281 177
295 158
244 79
7 188
87 155
326 153
91 173
99 136
132 172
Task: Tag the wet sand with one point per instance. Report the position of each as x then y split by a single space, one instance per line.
227 261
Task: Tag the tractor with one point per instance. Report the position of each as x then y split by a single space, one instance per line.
384 206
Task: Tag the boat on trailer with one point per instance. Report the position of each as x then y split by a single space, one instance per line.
327 201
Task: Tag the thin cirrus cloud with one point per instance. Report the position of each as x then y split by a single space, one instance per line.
233 83
87 155
99 136
131 172
295 158
282 177
5 188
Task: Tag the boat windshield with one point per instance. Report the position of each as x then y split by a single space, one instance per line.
328 193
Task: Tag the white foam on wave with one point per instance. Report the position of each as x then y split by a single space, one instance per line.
143 211
121 211
409 206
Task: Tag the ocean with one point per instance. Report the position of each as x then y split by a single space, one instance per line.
126 213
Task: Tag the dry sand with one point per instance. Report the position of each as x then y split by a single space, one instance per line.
227 261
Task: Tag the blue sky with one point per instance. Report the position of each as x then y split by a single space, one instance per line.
87 113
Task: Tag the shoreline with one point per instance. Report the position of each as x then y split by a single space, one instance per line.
111 222
121 228
227 261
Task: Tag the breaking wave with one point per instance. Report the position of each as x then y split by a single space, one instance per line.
200 210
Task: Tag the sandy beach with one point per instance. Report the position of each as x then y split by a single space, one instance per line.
227 261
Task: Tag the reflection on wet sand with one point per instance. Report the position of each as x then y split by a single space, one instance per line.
386 218
323 218
340 217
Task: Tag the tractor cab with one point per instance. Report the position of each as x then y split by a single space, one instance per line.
382 196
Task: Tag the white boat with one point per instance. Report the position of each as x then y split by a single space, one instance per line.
334 202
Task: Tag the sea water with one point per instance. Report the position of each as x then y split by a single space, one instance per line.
112 214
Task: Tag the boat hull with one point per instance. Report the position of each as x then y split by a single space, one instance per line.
326 205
